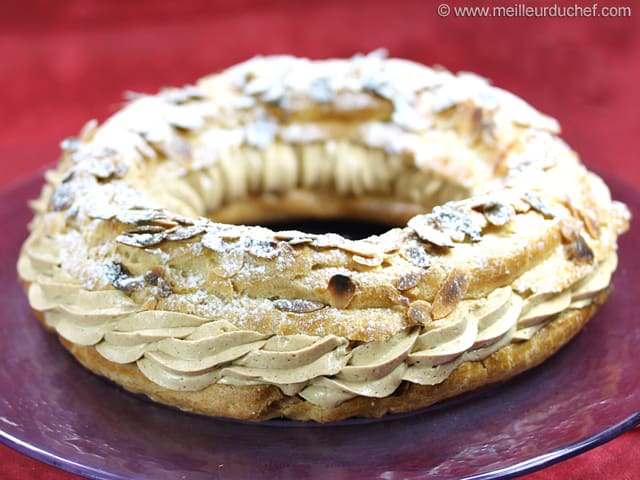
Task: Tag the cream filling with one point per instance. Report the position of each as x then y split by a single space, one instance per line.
188 352
346 166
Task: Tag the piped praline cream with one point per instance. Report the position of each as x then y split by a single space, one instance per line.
180 351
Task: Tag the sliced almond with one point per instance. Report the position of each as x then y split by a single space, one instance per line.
579 251
369 261
416 254
342 290
453 290
408 280
419 313
361 248
297 305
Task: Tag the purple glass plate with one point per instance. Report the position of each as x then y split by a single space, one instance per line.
55 411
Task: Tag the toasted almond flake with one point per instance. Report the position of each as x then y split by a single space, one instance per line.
231 232
448 223
342 289
141 239
520 206
328 240
569 228
457 222
392 240
139 216
579 251
63 197
360 247
186 232
262 248
416 254
106 168
293 236
149 229
538 205
451 292
213 242
164 222
498 213
298 305
419 313
368 261
395 295
425 229
408 280
299 241
591 224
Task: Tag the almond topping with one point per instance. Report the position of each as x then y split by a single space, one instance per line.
360 248
297 305
451 292
408 280
498 213
579 251
368 261
419 313
395 296
569 228
342 290
590 223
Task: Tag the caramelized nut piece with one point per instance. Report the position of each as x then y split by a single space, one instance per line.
569 228
297 305
451 292
395 295
368 261
342 290
419 313
408 280
498 213
538 205
416 254
591 224
579 251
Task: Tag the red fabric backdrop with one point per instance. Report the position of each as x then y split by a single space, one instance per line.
64 62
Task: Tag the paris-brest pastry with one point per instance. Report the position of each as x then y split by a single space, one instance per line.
146 255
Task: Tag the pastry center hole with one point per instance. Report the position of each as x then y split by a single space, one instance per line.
352 229
320 212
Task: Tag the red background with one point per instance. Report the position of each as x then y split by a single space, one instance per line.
65 62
